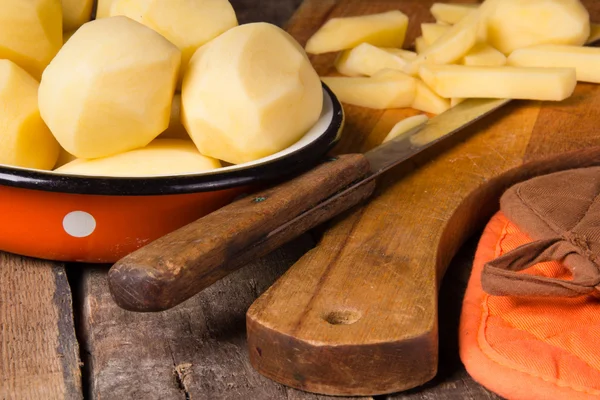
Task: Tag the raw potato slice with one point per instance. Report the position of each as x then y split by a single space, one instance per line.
103 8
421 45
250 93
188 24
76 13
161 157
428 101
405 54
387 89
176 130
517 24
384 30
553 84
367 59
25 141
457 42
585 60
451 13
30 33
406 125
484 55
594 33
110 88
64 157
432 32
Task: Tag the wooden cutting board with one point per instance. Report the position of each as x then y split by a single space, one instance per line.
358 314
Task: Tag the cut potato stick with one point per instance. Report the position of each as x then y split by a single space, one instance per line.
406 54
552 84
420 45
387 89
428 101
432 32
594 33
405 126
484 55
457 42
585 60
367 59
385 30
451 13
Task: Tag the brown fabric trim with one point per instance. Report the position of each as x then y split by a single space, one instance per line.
500 277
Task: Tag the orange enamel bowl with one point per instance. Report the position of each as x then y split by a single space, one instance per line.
101 219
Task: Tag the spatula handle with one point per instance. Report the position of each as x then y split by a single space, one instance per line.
175 267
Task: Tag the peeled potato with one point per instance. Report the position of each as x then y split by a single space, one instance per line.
103 8
161 157
428 101
110 88
367 59
30 33
451 13
250 93
76 13
517 24
553 84
387 89
67 36
432 32
176 130
26 141
456 101
585 60
384 30
64 157
484 55
186 23
405 126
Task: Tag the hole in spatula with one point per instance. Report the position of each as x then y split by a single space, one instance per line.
343 317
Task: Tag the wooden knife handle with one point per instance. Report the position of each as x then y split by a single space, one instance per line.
173 268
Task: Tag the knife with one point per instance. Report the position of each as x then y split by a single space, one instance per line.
177 266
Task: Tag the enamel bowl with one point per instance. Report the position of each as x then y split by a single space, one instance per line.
101 219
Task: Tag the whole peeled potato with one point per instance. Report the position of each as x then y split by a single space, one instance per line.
186 23
161 157
110 88
30 33
25 140
250 93
516 24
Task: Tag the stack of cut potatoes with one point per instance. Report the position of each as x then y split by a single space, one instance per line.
149 87
511 49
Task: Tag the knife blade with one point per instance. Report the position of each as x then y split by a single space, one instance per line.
177 266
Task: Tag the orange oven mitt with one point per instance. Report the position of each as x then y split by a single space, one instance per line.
530 324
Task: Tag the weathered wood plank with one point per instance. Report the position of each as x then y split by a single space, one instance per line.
452 381
196 350
39 353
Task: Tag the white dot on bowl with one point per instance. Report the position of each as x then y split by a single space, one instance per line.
79 224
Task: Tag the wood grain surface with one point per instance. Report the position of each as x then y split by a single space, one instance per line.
364 316
194 351
39 354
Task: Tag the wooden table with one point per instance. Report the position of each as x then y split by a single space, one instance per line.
62 337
